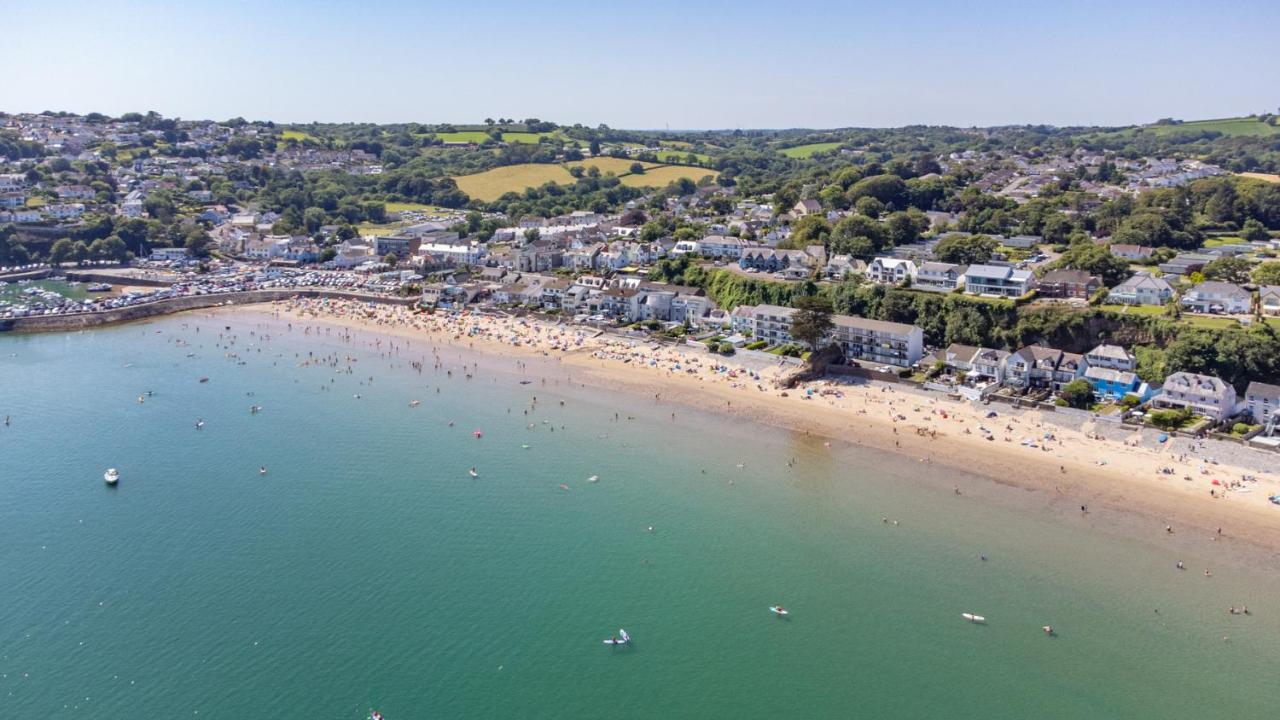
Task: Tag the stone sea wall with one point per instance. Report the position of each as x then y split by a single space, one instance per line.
79 321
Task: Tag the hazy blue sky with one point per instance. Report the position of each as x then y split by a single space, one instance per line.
685 64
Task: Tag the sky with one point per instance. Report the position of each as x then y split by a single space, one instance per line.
656 64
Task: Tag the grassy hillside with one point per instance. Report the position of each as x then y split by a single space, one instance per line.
679 156
493 184
805 151
660 176
1231 127
617 166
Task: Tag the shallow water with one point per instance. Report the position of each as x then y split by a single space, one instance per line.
368 569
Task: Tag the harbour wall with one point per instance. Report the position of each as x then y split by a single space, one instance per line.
141 311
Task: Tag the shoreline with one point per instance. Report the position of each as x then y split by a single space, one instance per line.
1070 466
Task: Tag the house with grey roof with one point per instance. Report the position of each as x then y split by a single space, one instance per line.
1269 299
939 276
1112 357
1141 289
1262 401
1212 296
1201 394
998 280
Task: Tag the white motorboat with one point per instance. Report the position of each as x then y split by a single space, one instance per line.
973 618
473 472
111 476
779 610
594 478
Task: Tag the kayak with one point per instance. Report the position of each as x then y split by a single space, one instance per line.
779 610
973 618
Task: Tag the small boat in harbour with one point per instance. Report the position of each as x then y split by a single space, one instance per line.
473 472
111 476
973 618
779 610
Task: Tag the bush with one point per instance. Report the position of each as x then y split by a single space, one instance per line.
1130 401
1170 419
758 345
1241 428
725 349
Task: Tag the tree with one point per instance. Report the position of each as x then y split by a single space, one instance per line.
390 259
1254 231
857 235
965 249
1077 394
197 242
809 230
812 320
80 252
869 206
313 218
888 189
636 168
531 235
60 252
1095 259
110 249
1267 273
1228 269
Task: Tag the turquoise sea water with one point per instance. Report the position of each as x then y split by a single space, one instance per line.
367 569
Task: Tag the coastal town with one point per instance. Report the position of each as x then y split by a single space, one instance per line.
699 263
411 360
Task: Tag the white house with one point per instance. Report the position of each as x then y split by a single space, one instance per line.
1202 394
891 271
1212 296
998 280
1141 289
1112 357
939 276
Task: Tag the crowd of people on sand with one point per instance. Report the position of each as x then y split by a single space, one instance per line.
912 411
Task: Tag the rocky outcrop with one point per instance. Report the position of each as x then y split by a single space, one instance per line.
815 368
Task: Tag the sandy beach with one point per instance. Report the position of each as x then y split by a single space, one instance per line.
1210 491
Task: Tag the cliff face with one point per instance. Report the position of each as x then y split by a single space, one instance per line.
78 321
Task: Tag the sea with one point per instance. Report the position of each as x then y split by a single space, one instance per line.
366 569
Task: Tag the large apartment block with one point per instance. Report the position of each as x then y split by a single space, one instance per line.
860 338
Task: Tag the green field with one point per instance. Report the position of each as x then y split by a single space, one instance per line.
493 184
526 137
807 151
298 135
1134 309
661 176
679 156
606 164
467 136
1231 127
